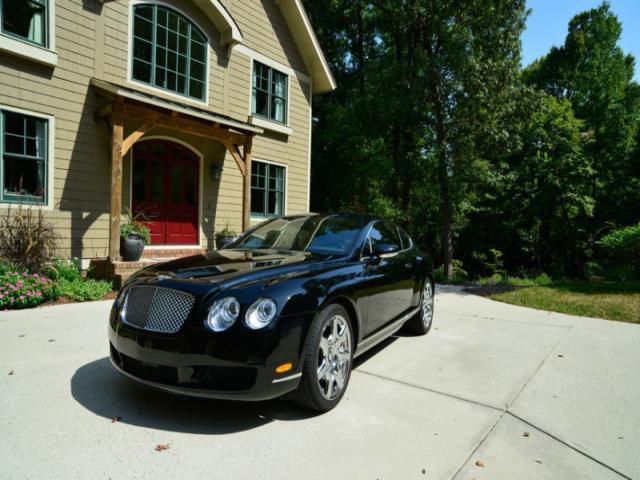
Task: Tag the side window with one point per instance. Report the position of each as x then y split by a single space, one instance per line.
382 233
25 19
24 157
406 239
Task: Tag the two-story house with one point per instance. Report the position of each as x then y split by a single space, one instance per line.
195 112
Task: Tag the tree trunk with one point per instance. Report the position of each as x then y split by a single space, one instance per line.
446 207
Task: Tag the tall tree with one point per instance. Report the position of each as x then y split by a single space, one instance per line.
594 74
472 54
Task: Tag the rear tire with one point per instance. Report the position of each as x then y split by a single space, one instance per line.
422 321
327 361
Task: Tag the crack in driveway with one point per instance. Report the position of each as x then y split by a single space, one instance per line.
503 411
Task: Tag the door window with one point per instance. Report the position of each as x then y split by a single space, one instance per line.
381 232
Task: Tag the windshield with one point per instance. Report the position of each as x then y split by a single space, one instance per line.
322 235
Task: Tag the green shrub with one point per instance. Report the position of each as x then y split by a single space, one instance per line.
459 274
543 279
23 290
63 270
593 270
623 244
83 290
27 239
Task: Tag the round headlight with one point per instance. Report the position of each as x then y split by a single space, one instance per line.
222 314
260 313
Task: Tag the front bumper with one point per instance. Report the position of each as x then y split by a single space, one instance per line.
237 364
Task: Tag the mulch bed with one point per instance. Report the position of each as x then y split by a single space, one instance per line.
64 300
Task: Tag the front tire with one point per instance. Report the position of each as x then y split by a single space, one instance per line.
421 322
327 361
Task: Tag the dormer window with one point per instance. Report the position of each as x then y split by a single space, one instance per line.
169 52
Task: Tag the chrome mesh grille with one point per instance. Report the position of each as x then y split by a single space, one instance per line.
156 309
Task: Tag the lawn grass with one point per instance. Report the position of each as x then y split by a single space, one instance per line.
610 300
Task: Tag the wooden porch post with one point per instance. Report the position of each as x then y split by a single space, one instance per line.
117 120
246 185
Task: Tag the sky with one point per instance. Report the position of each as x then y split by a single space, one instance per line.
549 20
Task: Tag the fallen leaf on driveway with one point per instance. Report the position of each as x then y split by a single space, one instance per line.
479 463
52 340
116 419
560 356
539 461
21 336
11 372
162 446
525 434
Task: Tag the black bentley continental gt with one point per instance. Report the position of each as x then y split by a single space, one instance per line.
283 309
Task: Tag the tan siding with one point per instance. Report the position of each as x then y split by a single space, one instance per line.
81 177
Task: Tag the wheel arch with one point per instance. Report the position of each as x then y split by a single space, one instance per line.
351 308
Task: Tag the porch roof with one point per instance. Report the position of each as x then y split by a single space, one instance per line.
154 112
112 90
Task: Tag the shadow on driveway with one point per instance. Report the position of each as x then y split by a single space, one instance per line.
98 387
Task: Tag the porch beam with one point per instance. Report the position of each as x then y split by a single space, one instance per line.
246 185
237 156
117 120
187 125
135 136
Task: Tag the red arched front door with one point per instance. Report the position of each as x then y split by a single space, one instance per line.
165 189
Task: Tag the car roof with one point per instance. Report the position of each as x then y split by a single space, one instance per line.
363 219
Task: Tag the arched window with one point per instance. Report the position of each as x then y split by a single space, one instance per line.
169 52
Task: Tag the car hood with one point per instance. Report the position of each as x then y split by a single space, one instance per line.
226 265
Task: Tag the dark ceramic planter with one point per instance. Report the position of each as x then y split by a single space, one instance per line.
131 248
224 240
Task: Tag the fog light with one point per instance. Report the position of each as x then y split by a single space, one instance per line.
285 367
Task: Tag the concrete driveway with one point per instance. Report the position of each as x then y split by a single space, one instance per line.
493 392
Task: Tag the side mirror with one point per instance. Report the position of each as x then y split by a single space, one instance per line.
382 249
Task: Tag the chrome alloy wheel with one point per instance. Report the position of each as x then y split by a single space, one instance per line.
427 304
334 357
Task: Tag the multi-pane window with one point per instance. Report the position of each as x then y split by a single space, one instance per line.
269 93
267 189
26 19
169 52
24 158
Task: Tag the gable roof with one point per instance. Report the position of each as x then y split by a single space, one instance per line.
301 31
308 45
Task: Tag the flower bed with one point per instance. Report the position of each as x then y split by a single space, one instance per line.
24 290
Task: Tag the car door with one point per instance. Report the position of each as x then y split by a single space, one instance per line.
387 278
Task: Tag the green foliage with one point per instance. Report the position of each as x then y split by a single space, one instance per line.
135 224
82 290
61 269
435 125
593 270
23 290
460 275
27 240
623 243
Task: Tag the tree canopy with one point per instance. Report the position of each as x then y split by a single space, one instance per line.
436 125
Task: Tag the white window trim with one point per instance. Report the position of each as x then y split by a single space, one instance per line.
286 189
200 156
22 48
51 133
156 90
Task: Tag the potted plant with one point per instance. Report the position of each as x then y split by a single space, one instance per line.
225 237
134 235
